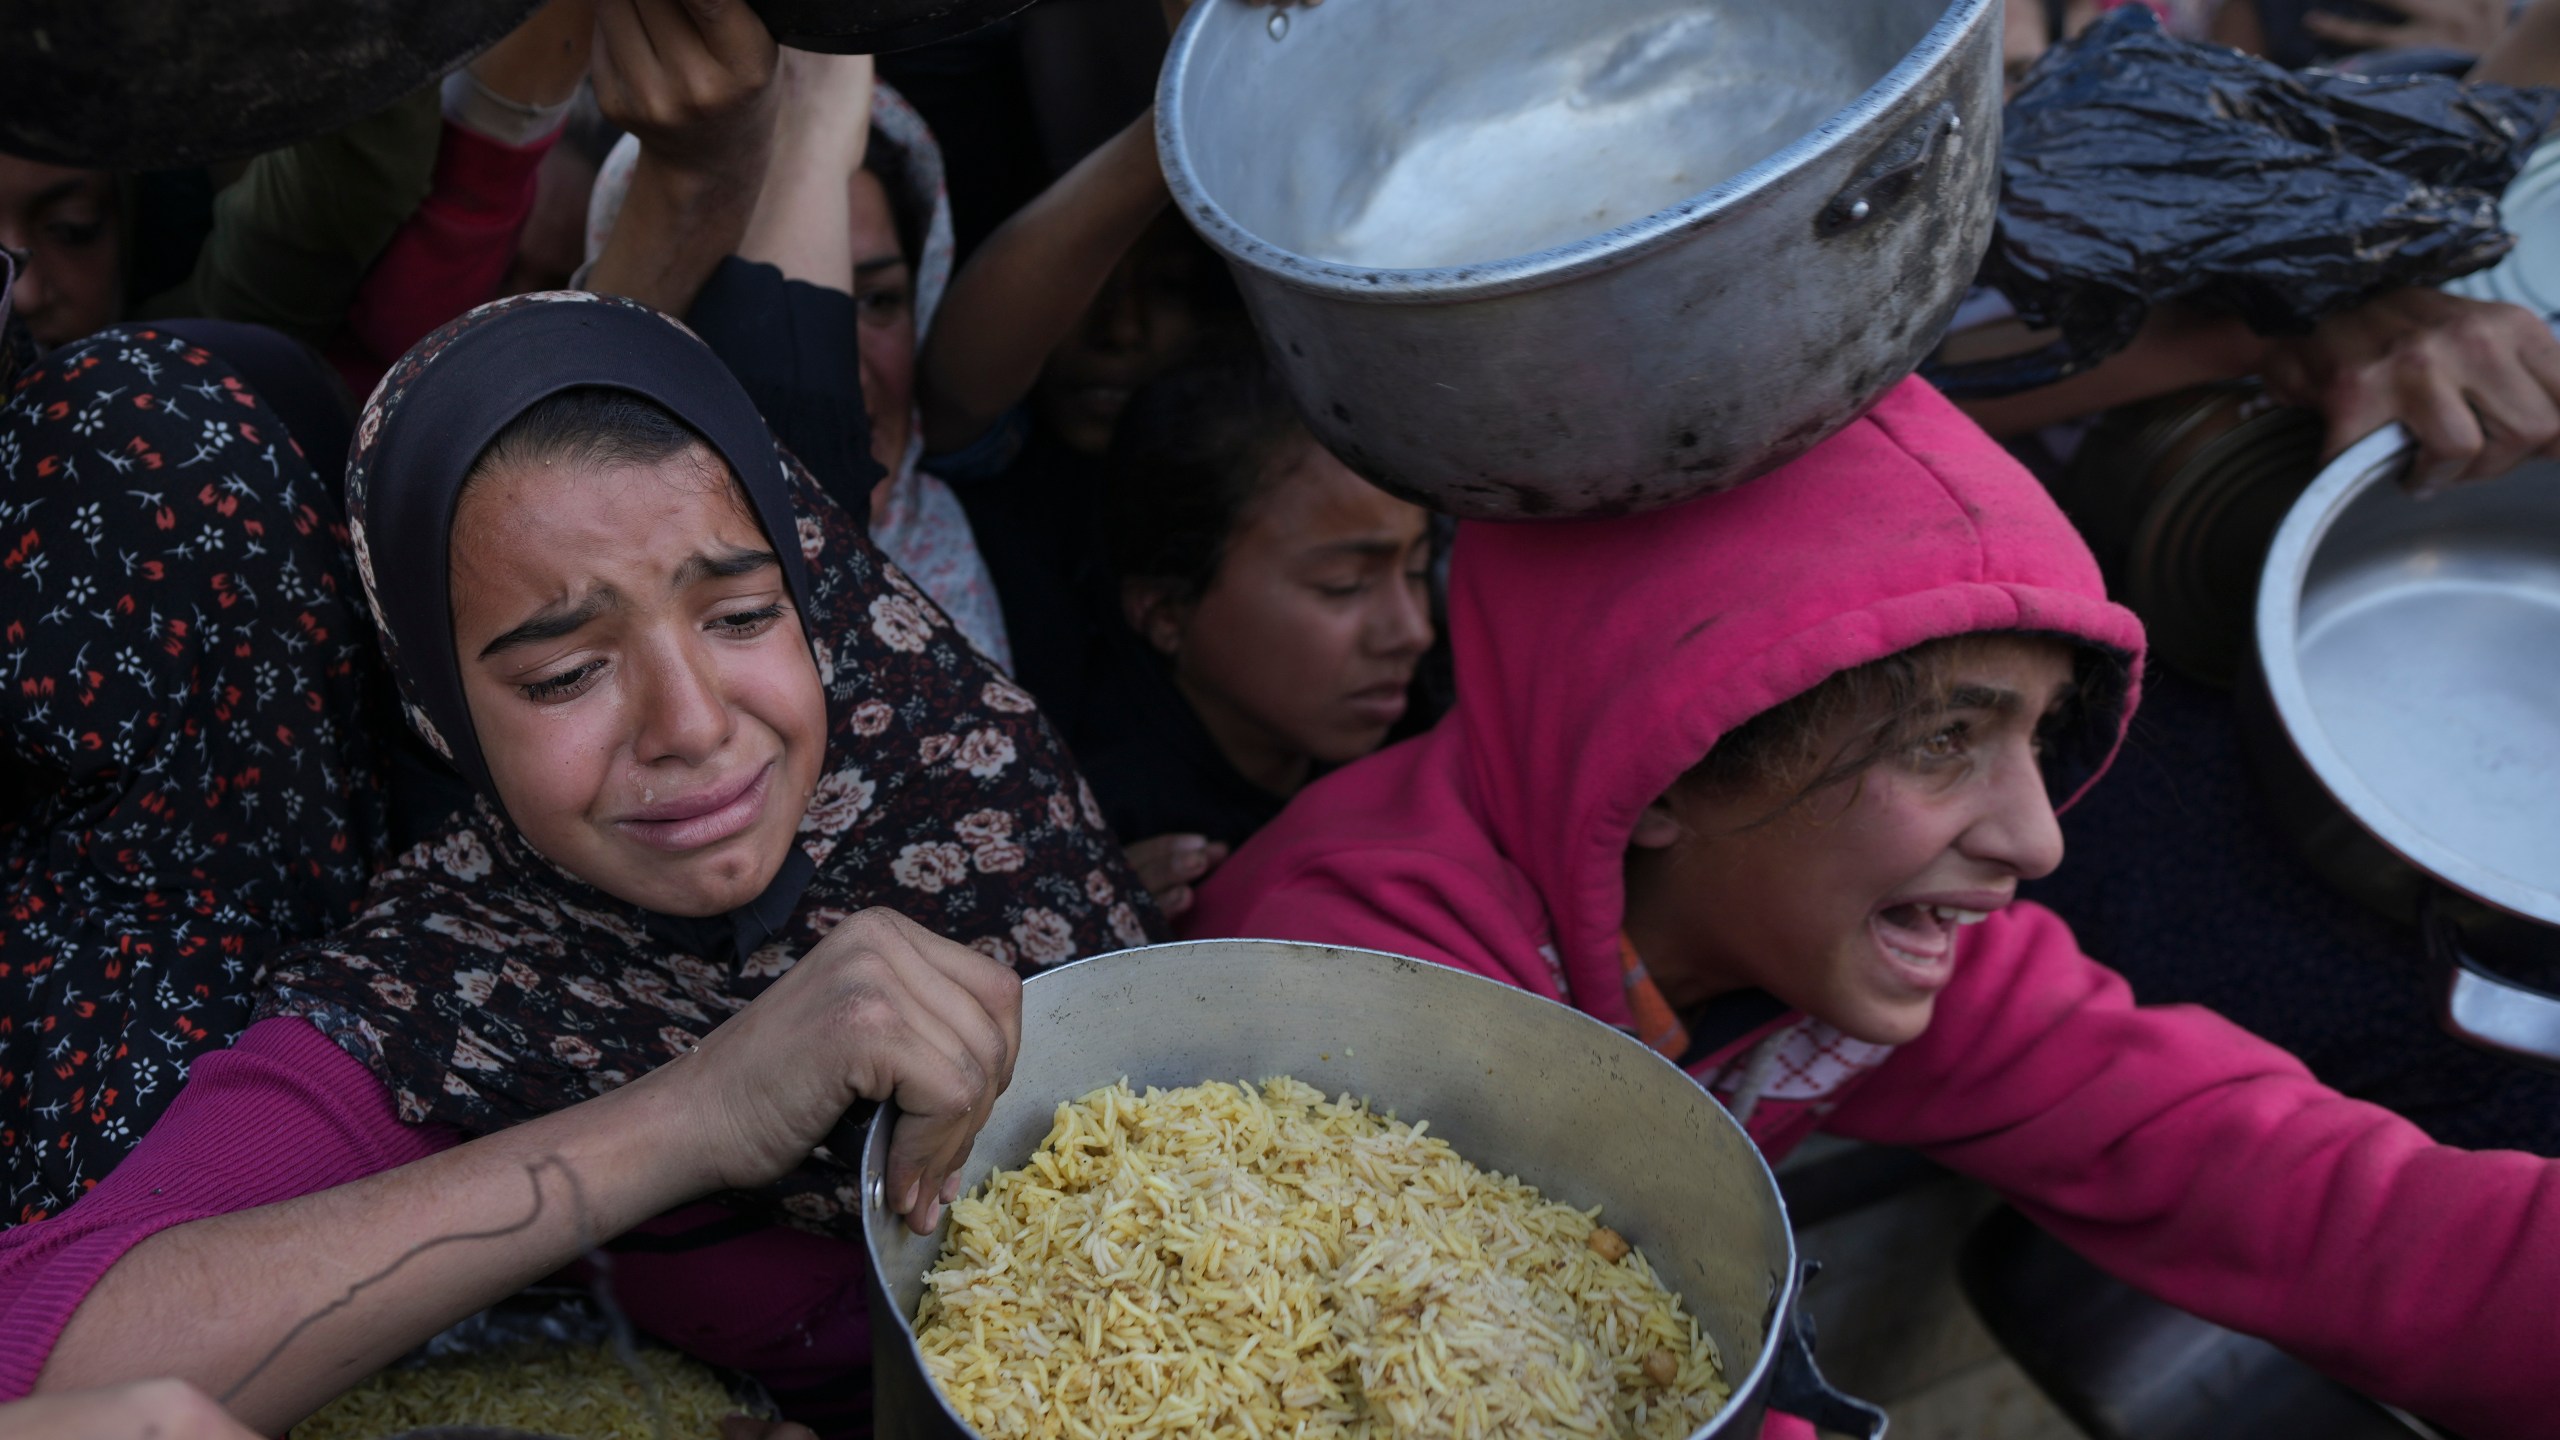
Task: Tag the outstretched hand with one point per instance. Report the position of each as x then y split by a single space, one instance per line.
2477 383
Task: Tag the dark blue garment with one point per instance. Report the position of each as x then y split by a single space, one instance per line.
2177 876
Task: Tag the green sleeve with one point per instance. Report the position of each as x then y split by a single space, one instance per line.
294 235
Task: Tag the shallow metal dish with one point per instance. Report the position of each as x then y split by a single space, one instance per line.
1516 1083
2410 651
1520 258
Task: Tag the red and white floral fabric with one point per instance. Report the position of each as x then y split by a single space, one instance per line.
184 681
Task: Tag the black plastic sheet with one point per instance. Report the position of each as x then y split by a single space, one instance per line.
2137 169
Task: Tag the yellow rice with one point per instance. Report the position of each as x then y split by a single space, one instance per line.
1226 1261
580 1392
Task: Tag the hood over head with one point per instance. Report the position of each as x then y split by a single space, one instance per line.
1598 660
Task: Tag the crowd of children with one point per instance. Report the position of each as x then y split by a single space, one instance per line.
759 614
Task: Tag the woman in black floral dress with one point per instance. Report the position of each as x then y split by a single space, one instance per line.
187 782
707 726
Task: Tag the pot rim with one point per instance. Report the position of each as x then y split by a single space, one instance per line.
1786 1290
1537 268
2378 459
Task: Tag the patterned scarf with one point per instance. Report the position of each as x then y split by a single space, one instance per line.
486 986
189 686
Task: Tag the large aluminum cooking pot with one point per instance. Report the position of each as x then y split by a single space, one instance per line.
1516 1083
1523 258
2408 719
139 84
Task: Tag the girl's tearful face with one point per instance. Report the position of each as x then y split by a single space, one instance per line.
637 676
1847 903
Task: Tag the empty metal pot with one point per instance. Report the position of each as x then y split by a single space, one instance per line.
2409 730
1516 1083
1521 258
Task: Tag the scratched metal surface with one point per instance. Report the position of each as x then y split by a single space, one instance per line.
1588 258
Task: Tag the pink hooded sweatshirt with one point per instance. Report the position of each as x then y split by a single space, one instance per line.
1598 660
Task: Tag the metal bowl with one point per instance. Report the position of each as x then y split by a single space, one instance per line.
2410 654
1520 258
1516 1083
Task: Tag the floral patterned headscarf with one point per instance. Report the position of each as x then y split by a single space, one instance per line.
486 985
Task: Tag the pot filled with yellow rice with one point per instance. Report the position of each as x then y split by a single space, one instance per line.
1259 1190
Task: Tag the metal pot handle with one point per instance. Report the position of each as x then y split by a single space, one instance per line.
845 1138
1890 174
2482 1007
1796 1385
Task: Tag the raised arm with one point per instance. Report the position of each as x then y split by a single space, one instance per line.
802 222
693 79
502 115
294 235
2476 381
1022 293
2177 347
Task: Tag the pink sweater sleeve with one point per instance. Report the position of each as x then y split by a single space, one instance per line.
452 254
283 1112
2211 1169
